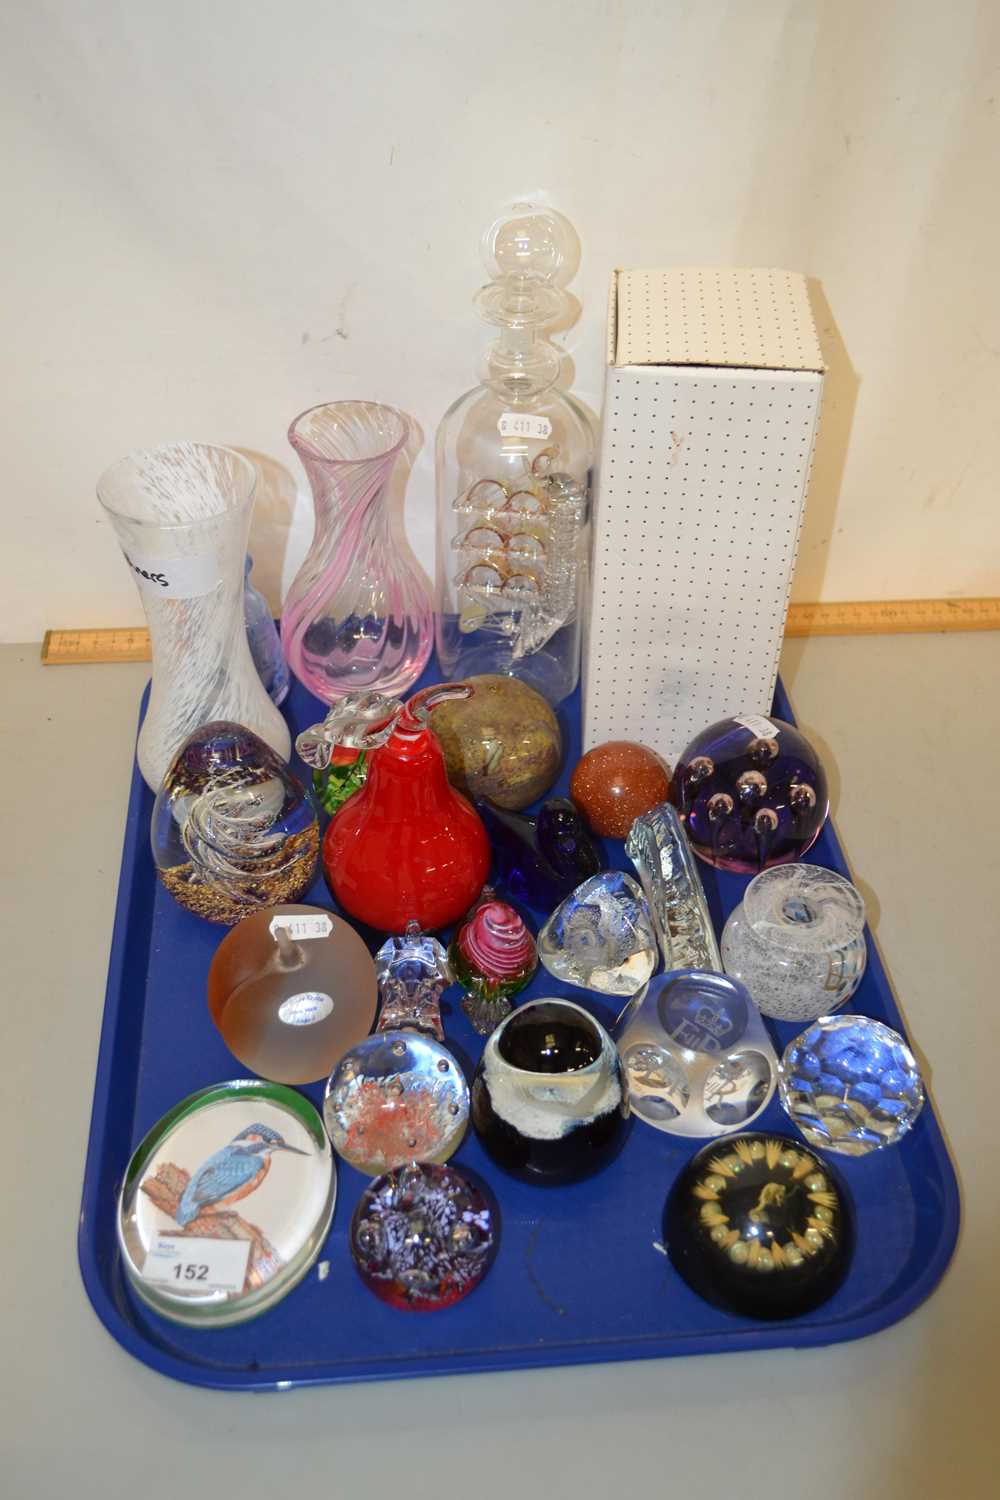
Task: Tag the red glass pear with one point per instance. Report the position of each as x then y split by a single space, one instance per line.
406 846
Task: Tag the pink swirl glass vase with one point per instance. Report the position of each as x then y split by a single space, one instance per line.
358 614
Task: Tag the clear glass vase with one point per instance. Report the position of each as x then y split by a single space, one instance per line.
265 643
358 614
182 515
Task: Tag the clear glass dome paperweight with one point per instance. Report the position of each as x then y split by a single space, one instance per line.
226 1203
290 990
514 458
797 941
233 830
697 1055
851 1085
601 937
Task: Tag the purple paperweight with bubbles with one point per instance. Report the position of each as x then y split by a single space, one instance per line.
752 793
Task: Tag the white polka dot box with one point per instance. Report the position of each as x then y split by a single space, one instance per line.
711 407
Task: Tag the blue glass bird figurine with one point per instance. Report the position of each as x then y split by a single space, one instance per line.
232 1173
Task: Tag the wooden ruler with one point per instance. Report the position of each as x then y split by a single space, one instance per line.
892 617
860 617
62 648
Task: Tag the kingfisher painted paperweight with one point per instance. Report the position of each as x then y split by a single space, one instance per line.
290 990
400 1095
548 1100
614 783
542 859
233 830
601 938
493 957
423 1237
752 792
696 1054
851 1085
797 940
226 1203
759 1226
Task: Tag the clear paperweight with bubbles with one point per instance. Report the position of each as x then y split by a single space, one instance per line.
797 941
851 1084
514 458
400 1095
601 937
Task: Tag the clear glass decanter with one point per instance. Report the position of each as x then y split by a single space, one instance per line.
357 615
514 460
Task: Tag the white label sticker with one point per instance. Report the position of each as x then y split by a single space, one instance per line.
196 1264
521 424
307 925
176 577
305 1009
758 725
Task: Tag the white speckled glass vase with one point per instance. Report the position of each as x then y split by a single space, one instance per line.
182 514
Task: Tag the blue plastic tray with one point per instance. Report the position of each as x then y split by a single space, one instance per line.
581 1275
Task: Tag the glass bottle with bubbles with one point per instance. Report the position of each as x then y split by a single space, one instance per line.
514 463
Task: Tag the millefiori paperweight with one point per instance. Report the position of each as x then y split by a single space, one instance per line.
226 1203
290 990
614 783
752 793
851 1085
797 941
548 1099
233 830
541 859
758 1226
697 1055
423 1237
493 957
601 937
657 845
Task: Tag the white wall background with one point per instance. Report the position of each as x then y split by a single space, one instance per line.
219 212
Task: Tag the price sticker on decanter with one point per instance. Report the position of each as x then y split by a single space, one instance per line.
176 577
197 1265
303 925
305 1009
522 424
762 728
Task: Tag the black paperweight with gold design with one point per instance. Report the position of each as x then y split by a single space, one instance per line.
758 1225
